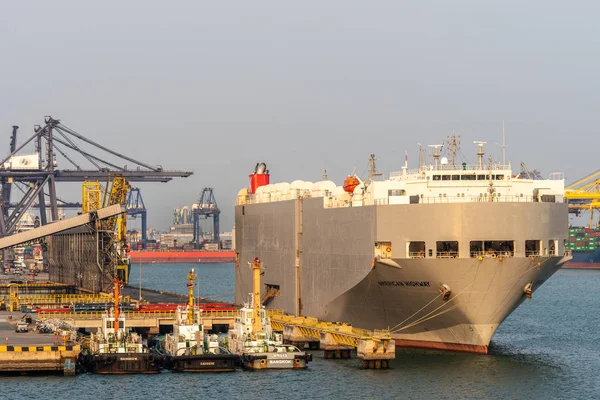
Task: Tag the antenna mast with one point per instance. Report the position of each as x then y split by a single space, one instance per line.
453 144
373 169
191 277
480 153
436 154
503 147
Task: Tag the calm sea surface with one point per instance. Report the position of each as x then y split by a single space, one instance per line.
548 348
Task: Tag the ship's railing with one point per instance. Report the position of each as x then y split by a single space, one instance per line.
533 253
416 254
457 167
492 254
150 314
463 199
446 254
476 199
409 172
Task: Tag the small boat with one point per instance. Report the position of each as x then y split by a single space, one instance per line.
190 348
116 349
253 339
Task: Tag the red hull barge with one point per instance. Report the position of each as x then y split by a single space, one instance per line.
581 265
167 257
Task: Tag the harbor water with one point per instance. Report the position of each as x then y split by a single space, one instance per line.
548 348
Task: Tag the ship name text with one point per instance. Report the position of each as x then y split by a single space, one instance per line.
405 283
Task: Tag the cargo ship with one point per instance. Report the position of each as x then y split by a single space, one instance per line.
584 244
439 255
167 257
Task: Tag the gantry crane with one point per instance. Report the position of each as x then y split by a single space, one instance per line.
41 170
136 207
584 194
207 207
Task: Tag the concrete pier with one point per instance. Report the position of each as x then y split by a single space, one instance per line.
295 336
28 359
376 353
332 348
337 340
31 352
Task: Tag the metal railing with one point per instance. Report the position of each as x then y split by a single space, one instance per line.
151 314
416 254
475 199
446 254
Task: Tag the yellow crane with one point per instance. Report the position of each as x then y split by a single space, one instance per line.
93 198
584 194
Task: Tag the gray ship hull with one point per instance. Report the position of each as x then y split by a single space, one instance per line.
325 264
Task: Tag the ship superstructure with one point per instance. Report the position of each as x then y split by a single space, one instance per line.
441 255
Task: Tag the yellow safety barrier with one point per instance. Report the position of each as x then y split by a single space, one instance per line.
31 349
341 333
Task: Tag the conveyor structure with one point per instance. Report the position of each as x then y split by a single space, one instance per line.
61 226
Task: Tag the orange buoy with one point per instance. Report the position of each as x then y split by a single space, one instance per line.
350 183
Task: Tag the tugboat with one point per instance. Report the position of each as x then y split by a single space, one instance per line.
190 349
254 340
116 349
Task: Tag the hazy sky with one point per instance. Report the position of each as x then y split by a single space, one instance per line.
215 87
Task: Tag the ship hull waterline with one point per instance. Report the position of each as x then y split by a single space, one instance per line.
262 361
407 299
205 363
123 364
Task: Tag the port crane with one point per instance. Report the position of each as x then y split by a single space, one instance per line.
584 194
135 208
207 207
39 172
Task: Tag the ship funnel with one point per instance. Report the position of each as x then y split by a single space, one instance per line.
260 177
261 168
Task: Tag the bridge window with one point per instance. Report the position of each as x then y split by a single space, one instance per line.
456 177
396 192
499 177
445 177
492 248
467 177
447 249
481 177
436 177
416 249
532 247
